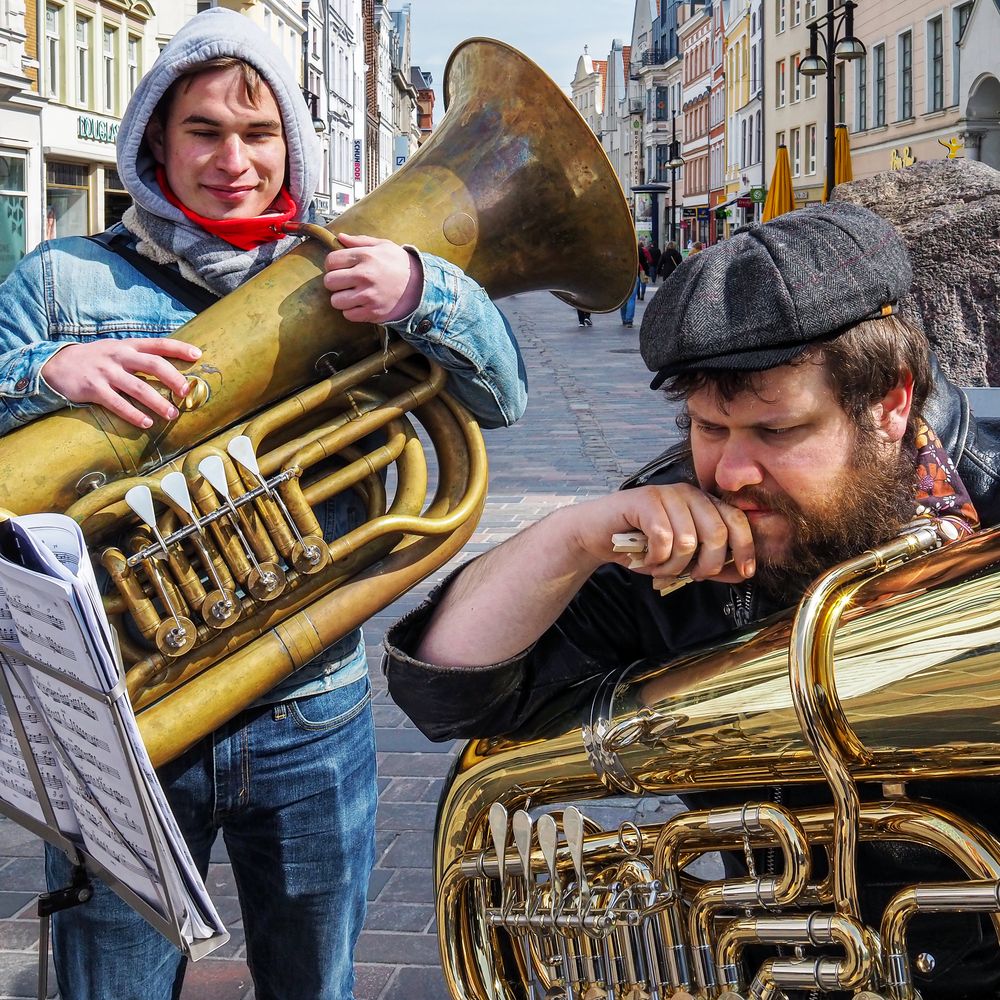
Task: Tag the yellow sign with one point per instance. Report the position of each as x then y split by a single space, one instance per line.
900 158
953 145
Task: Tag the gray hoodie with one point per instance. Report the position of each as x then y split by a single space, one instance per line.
217 32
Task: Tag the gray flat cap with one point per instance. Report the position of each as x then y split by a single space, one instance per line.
763 296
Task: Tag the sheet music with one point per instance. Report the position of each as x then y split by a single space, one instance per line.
56 611
15 782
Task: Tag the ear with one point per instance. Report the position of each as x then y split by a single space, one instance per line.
154 136
892 413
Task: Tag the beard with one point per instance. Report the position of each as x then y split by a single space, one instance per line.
874 498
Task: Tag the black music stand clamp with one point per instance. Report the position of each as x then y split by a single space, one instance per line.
78 891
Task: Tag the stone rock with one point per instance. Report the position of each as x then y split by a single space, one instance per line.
948 211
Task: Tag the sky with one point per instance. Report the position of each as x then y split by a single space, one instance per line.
551 32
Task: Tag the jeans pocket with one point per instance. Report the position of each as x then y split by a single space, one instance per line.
331 710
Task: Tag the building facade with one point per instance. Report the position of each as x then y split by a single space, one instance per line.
718 210
694 33
91 58
744 114
588 88
22 166
796 111
904 97
976 35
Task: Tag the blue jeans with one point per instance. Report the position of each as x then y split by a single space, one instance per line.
628 306
292 787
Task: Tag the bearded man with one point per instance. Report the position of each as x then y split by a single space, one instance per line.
804 399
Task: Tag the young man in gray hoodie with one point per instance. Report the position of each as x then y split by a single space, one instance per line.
217 148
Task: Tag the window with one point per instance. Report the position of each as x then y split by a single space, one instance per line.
662 100
779 92
754 82
861 81
796 79
67 196
796 12
82 60
878 56
743 143
781 15
812 9
53 19
812 85
935 64
905 76
841 93
110 75
796 152
13 210
134 65
960 20
810 149
116 198
779 140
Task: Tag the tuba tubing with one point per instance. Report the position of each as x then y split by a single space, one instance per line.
905 659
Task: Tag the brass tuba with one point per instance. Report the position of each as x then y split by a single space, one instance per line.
886 673
206 525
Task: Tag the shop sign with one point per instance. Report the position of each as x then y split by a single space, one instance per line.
98 129
703 214
744 202
689 213
357 159
343 199
322 203
758 195
801 195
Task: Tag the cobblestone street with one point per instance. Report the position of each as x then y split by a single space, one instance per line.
591 420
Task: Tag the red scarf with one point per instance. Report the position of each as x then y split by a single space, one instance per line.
246 234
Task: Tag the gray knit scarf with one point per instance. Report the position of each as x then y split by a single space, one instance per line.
203 258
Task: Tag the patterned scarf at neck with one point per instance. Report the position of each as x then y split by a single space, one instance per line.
205 259
940 490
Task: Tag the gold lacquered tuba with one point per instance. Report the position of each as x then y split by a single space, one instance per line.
205 524
887 673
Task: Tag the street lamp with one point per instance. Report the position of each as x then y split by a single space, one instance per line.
673 165
845 47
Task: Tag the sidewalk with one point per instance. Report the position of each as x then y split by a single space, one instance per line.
591 421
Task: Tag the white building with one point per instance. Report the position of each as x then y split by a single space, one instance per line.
22 168
615 120
587 89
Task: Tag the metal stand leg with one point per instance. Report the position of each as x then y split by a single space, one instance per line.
78 891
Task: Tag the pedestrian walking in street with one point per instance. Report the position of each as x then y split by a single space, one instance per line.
628 306
669 259
583 318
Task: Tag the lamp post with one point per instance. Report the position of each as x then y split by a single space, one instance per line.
845 47
673 165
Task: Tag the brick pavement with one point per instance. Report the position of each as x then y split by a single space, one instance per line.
590 422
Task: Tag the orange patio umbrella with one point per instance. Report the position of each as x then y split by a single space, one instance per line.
779 194
842 170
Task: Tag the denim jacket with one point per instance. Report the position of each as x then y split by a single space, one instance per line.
74 290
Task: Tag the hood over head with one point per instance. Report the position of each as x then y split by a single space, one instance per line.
213 33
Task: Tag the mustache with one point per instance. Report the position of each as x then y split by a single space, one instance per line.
757 496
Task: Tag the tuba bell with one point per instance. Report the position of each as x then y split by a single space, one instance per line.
223 582
885 674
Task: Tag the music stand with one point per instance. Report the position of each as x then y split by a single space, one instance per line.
168 923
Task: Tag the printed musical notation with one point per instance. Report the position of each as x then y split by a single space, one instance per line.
28 609
41 639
